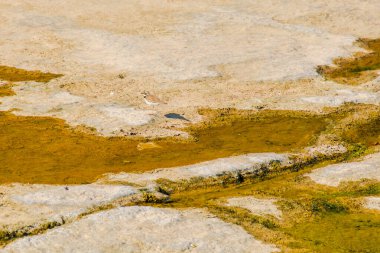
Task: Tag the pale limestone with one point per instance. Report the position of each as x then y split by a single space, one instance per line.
372 203
27 207
333 175
191 54
345 96
144 229
37 100
257 206
248 163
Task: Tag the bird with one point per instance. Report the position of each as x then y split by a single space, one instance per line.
150 99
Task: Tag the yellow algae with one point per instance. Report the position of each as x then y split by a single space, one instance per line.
355 70
316 218
147 145
6 90
362 126
366 133
46 150
13 74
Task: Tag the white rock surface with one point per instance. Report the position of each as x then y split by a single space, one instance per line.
217 167
143 229
256 206
345 96
191 54
333 175
36 100
372 203
187 48
326 150
23 206
75 195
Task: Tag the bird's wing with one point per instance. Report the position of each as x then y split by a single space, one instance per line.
154 99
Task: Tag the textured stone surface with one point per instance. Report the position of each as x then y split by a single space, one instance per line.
372 203
217 167
344 96
256 206
333 175
183 49
111 51
29 206
191 54
144 229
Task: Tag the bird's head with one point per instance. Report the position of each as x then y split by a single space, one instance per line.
145 94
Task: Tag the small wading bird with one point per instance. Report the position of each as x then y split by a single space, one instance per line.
152 100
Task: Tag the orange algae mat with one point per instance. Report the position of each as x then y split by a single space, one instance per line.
358 69
46 150
13 74
6 90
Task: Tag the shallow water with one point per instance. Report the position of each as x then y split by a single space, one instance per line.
355 70
46 150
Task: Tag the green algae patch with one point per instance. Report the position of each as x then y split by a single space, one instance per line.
9 236
361 68
316 218
367 133
363 128
354 232
13 74
46 150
